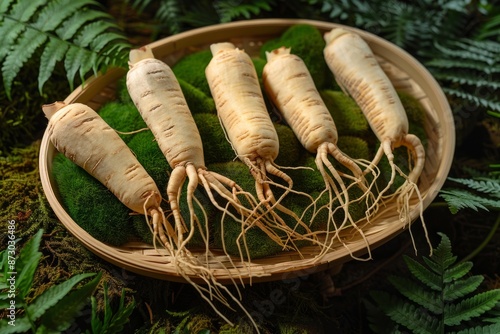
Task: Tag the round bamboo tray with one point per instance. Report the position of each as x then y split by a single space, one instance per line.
405 72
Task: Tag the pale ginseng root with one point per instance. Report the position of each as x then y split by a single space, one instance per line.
359 74
157 95
235 87
79 133
291 88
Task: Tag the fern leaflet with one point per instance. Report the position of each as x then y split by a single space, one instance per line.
68 31
458 199
470 307
485 185
445 302
483 193
460 288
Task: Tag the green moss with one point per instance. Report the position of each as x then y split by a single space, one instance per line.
148 153
347 115
191 69
307 42
258 242
123 117
355 147
290 148
307 179
216 147
122 93
91 204
197 100
236 171
259 64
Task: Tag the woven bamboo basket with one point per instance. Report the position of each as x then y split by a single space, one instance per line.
405 72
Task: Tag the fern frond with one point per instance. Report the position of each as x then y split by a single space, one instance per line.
26 46
52 54
458 199
169 12
488 186
442 255
467 52
407 314
489 329
460 288
432 280
68 31
230 10
476 100
456 272
445 299
471 307
466 78
70 27
418 294
465 64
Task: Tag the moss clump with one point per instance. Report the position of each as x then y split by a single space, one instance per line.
347 115
290 148
236 171
216 147
91 204
259 64
123 117
307 179
191 68
197 100
122 93
229 233
307 42
148 153
355 147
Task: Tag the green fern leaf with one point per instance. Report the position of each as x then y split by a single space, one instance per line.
458 199
22 11
432 280
9 31
170 12
457 50
464 64
53 53
466 78
460 288
406 314
56 12
489 329
479 101
32 25
71 26
472 307
52 295
418 294
27 45
485 185
72 62
231 10
457 271
91 31
4 5
60 316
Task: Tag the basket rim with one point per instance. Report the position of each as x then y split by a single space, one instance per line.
262 272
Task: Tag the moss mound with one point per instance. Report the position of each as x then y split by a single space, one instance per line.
90 204
307 42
